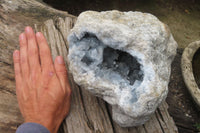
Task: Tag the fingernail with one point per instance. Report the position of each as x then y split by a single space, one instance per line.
60 60
38 34
22 36
16 53
28 29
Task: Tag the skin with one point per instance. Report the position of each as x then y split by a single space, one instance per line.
42 87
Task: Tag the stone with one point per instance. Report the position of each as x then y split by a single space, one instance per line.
190 70
124 58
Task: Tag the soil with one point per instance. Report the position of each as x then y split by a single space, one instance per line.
184 111
183 19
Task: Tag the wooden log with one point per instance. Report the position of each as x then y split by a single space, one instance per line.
88 113
14 16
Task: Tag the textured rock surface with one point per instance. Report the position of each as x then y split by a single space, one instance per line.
187 62
125 58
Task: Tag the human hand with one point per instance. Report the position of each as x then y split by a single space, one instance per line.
42 87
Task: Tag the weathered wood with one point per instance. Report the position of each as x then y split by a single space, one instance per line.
88 113
14 16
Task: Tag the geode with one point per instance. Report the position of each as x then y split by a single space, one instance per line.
124 58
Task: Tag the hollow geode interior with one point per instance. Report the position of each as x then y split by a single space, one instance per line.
114 61
124 58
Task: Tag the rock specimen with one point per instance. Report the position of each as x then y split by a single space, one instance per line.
124 58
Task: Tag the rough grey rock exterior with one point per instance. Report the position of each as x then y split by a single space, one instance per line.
124 58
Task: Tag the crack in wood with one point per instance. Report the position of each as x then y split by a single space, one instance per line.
98 101
5 63
159 123
110 117
58 29
4 90
144 128
88 121
159 112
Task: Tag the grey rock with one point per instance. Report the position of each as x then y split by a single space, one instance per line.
124 58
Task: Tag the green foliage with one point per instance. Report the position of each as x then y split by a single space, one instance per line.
197 125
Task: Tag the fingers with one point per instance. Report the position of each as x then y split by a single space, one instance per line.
45 54
33 54
61 72
24 55
17 69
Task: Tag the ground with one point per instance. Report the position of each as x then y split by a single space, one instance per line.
183 19
181 106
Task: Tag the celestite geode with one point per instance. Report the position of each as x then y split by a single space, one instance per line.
124 58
